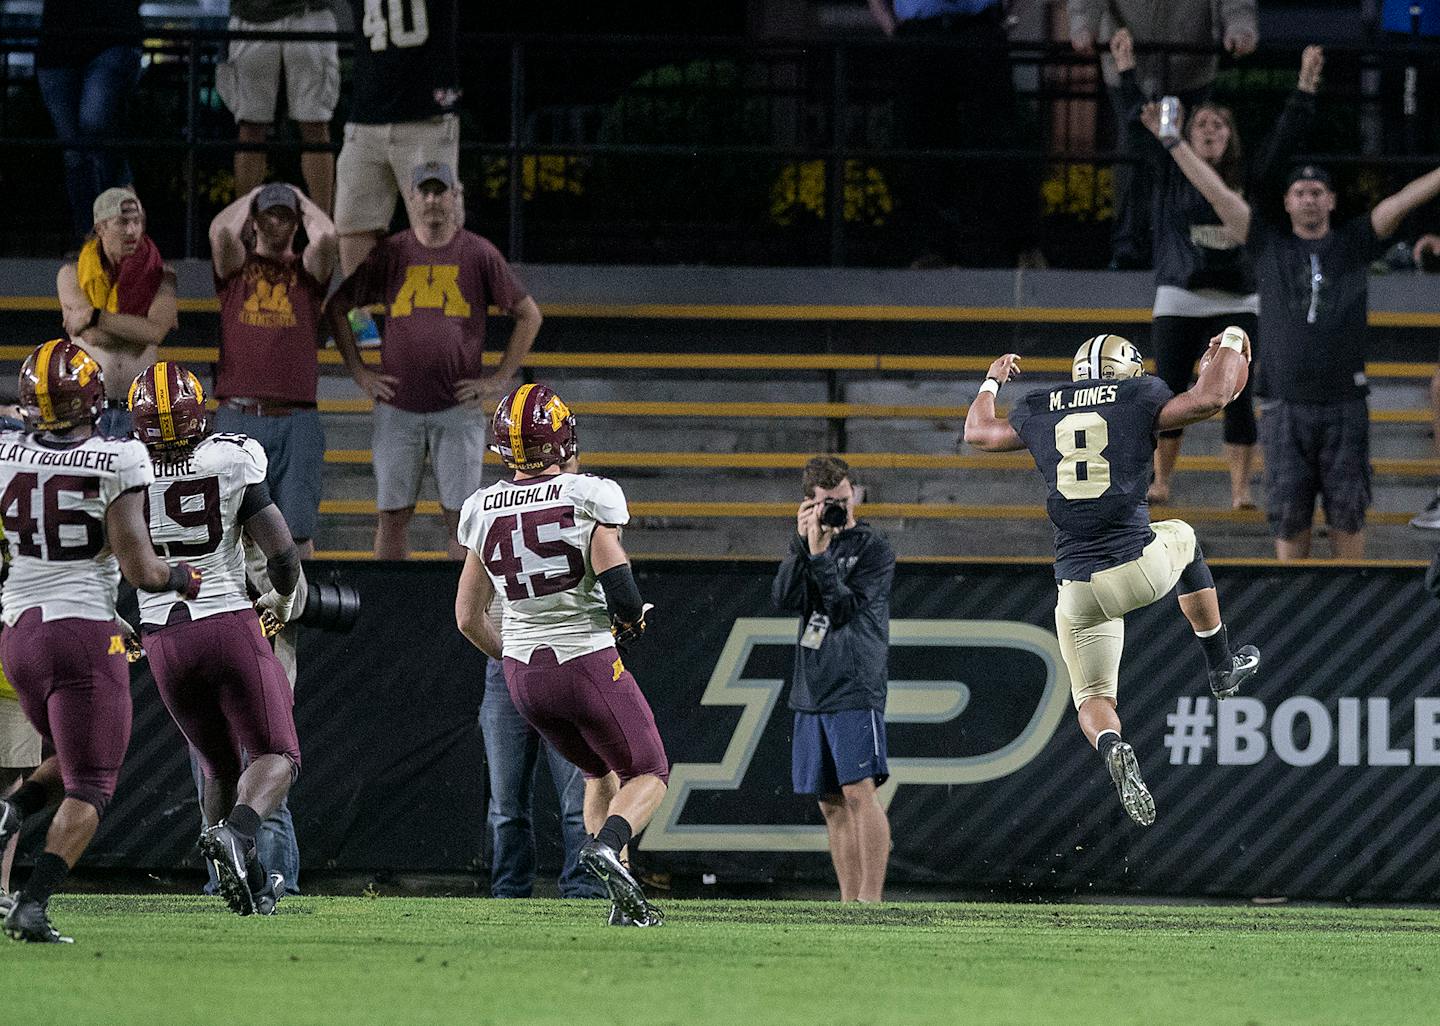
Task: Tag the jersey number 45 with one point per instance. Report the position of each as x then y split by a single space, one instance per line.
504 559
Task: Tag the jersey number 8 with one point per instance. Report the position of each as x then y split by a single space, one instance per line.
1083 473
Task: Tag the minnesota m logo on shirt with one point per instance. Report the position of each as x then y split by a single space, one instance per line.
268 306
431 287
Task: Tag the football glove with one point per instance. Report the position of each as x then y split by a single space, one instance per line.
134 650
185 579
628 633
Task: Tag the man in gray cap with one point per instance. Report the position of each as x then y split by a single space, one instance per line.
118 298
1314 297
432 394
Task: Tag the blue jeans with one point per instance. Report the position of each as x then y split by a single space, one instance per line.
275 844
115 422
86 103
512 754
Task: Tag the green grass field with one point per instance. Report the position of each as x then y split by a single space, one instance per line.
159 961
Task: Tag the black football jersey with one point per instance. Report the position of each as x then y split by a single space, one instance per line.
1094 443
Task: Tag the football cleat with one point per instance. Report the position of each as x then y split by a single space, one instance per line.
1244 662
603 863
222 846
10 820
7 902
1134 795
269 896
653 916
29 921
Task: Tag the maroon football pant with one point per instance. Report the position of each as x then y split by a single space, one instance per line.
225 690
74 684
591 711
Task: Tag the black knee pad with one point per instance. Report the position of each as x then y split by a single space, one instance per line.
1196 576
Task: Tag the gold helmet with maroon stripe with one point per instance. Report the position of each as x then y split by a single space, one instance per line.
534 429
167 407
61 387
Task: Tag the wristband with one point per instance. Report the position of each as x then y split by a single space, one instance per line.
990 385
1233 338
94 321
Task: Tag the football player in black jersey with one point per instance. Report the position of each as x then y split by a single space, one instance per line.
1093 441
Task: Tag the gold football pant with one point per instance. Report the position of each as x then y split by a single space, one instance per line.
1090 615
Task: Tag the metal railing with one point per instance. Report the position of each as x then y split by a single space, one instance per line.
625 149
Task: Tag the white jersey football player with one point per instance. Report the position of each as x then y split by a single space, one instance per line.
549 542
217 675
72 502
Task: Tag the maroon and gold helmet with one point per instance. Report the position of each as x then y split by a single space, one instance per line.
534 429
167 407
61 387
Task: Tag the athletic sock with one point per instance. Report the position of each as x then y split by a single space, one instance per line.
30 798
1106 740
1216 644
245 821
615 833
49 872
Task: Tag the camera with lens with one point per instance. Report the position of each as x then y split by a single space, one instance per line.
834 513
330 605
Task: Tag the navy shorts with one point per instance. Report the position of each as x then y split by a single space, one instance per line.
295 449
830 750
1316 449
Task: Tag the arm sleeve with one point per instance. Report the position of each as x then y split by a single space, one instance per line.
606 504
870 581
787 592
256 498
1272 159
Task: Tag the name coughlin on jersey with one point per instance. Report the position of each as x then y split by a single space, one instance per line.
194 507
534 538
54 497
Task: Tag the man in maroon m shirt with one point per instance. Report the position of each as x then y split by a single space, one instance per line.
431 395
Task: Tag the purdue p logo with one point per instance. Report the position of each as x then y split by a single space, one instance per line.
431 287
929 701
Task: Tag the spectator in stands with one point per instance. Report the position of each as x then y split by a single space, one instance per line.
87 64
512 758
406 88
1314 292
249 83
1426 255
432 394
271 302
1204 277
118 299
952 99
1190 76
837 575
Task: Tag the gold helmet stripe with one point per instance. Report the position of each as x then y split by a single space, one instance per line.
517 408
162 400
42 379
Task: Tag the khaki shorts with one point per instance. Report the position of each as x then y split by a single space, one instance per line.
19 742
455 441
1090 615
375 165
249 81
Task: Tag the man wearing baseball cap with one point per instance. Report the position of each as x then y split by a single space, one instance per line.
1313 278
118 298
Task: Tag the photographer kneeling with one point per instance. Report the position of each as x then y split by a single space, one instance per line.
837 575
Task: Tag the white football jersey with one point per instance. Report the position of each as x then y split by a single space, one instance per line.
194 508
534 538
53 498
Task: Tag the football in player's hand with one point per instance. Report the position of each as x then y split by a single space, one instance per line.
1237 357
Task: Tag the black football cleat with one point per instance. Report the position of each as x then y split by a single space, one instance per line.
269 896
223 847
653 916
29 921
7 902
10 820
603 863
1243 665
1125 772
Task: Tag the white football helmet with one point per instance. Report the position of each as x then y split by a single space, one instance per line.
1107 357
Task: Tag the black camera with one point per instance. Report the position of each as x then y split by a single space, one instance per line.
330 605
834 513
